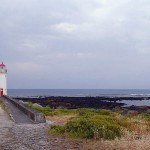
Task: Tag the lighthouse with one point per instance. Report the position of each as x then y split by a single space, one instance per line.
3 79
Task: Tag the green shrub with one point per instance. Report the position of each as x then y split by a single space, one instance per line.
65 111
56 129
45 110
89 112
37 107
103 111
124 122
97 123
1 102
85 113
28 104
80 128
90 123
103 118
88 129
148 111
146 116
52 113
106 128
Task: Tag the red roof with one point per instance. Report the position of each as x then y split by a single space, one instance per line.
2 64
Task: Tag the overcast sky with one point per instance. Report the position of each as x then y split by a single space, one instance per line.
76 43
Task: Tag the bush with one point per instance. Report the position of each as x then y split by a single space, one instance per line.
148 111
28 104
90 123
85 113
103 111
65 111
55 129
88 129
124 122
146 116
99 123
1 102
89 112
45 110
80 128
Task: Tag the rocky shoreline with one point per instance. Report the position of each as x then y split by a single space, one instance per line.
86 102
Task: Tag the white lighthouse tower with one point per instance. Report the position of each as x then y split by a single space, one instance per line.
3 79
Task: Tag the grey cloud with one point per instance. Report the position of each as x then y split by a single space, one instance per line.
75 44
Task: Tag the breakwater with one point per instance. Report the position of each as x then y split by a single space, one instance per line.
34 115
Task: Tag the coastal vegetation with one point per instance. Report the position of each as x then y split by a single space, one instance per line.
2 104
98 124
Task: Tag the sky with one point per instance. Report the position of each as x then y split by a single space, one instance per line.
76 44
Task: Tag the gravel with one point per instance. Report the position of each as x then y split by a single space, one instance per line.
29 136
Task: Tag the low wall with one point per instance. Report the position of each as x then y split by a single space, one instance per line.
33 114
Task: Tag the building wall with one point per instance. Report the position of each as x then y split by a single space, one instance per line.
3 83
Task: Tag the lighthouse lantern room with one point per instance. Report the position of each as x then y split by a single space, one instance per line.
3 79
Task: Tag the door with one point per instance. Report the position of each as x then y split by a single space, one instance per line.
1 92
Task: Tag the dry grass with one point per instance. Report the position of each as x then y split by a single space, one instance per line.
2 105
1 102
60 119
135 134
129 142
138 139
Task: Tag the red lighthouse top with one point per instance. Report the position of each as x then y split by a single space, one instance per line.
2 64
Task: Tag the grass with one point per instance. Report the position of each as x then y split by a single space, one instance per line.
2 104
102 124
88 123
127 142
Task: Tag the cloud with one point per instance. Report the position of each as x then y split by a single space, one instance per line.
92 43
29 67
65 27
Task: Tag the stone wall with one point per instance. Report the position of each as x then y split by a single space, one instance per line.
33 114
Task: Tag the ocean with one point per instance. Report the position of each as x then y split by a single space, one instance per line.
78 92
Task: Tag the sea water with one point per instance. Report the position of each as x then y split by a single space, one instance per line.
78 92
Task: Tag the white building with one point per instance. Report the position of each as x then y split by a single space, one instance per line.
3 79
